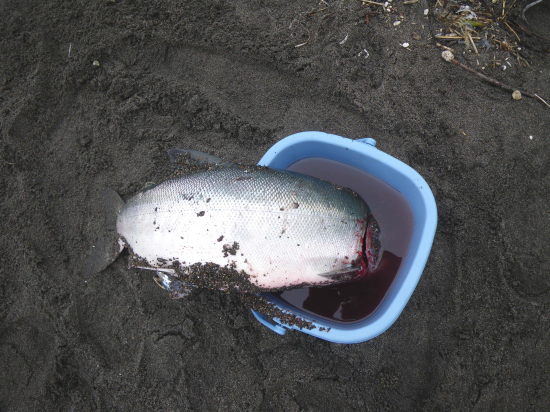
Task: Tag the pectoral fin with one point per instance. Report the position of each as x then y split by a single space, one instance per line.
177 288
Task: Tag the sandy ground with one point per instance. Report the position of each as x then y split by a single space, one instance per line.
229 78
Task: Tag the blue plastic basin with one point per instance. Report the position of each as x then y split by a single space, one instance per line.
362 154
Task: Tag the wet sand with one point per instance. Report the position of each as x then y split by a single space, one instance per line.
92 94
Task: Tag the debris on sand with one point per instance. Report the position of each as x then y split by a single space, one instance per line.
448 56
498 26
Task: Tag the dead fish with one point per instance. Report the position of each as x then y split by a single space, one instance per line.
246 228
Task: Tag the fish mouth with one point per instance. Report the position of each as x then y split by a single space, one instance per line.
371 246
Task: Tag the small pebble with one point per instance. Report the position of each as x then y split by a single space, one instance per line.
397 23
95 63
426 11
447 55
405 44
516 95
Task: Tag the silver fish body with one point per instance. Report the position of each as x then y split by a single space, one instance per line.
280 229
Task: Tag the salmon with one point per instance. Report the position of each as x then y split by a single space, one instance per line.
247 228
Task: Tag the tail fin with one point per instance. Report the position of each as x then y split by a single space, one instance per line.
107 245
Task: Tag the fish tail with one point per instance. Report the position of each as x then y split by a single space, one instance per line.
108 244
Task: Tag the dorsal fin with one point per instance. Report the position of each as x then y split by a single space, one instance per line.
201 158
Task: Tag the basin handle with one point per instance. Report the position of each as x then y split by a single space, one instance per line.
368 140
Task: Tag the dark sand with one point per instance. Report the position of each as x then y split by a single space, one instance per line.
226 78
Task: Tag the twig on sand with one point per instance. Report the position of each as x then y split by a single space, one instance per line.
472 42
449 57
512 30
375 3
444 47
542 100
528 6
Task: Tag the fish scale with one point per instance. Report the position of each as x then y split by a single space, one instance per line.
282 228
